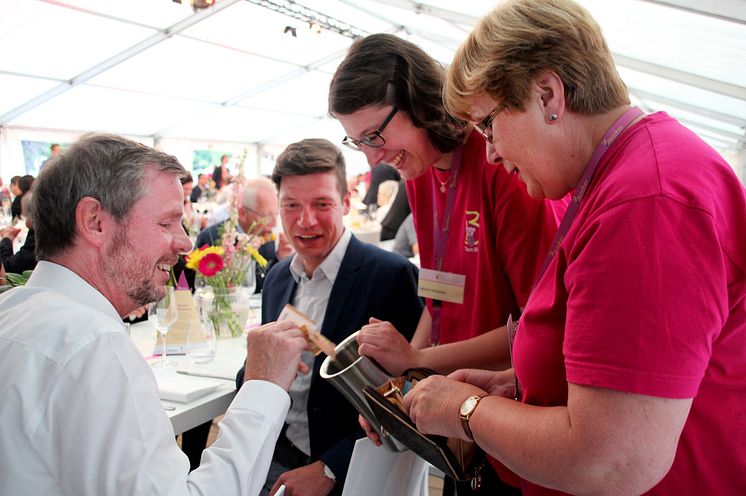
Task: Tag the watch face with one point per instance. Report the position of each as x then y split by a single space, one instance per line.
468 405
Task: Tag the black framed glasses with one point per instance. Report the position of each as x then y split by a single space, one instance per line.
374 139
485 125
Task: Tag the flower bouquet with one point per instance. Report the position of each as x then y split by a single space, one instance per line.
225 268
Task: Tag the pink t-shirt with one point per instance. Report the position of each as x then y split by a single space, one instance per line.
498 238
647 296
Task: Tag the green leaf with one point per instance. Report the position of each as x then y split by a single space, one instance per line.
15 279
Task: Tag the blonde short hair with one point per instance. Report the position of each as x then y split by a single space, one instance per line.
519 40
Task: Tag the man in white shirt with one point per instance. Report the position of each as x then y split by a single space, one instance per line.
340 283
80 408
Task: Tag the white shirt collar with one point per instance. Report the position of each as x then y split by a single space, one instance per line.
63 280
331 264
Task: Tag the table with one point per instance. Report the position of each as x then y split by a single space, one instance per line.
230 356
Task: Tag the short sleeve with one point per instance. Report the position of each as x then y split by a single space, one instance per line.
647 324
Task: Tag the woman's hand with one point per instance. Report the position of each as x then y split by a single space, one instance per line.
500 383
434 402
369 430
381 341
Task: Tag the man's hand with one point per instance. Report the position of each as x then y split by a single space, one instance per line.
305 481
434 402
274 353
381 341
9 232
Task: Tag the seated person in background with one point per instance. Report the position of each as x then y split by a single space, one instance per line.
339 282
396 214
85 417
378 174
200 188
22 186
257 213
386 193
405 242
25 258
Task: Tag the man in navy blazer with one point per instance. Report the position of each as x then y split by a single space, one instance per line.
340 283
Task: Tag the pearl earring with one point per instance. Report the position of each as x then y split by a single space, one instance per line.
553 117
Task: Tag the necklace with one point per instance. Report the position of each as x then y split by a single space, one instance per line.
443 184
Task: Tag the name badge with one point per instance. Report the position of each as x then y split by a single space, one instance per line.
444 286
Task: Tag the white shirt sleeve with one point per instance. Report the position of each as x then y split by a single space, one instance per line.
104 430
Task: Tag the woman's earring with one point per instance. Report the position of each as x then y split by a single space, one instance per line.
553 117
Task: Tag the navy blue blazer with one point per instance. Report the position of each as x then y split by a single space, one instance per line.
209 236
371 283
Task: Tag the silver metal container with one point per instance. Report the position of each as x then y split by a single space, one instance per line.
349 373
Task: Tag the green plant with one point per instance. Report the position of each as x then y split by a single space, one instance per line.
18 279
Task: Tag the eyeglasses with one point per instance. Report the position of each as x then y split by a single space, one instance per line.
262 218
485 125
374 139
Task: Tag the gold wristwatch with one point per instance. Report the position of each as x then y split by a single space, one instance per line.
467 410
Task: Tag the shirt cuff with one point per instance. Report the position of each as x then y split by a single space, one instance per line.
264 397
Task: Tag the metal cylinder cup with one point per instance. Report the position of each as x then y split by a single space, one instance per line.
349 372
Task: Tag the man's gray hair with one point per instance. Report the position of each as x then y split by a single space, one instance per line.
251 189
109 168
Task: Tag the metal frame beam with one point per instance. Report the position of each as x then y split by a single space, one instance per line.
116 59
727 10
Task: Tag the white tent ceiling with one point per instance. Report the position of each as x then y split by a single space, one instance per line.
160 71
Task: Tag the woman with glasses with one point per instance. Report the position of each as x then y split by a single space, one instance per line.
629 356
481 238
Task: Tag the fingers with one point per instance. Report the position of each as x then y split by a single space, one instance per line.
275 487
274 352
365 425
303 368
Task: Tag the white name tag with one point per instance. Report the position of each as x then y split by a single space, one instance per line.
444 286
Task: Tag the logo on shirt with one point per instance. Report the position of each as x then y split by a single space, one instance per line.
471 243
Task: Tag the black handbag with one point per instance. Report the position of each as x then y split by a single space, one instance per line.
458 459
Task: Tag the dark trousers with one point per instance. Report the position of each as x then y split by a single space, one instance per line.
193 442
288 457
492 485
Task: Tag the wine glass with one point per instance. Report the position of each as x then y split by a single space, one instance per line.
162 314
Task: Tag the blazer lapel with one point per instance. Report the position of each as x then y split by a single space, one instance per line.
343 288
285 296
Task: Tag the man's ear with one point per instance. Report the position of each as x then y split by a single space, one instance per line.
551 92
242 216
92 222
346 204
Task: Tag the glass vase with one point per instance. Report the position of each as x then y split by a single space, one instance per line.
227 309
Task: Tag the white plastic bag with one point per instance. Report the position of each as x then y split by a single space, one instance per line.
376 471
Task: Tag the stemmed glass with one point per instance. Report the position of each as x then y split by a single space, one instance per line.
162 314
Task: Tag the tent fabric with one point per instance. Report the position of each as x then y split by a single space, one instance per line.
253 75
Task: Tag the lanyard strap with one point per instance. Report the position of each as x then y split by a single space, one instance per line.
440 235
572 209
603 146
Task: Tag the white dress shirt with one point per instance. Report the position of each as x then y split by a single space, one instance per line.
311 298
80 412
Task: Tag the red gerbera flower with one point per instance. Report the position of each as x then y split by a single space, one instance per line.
211 264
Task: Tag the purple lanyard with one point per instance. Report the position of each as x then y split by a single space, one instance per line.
440 235
572 209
